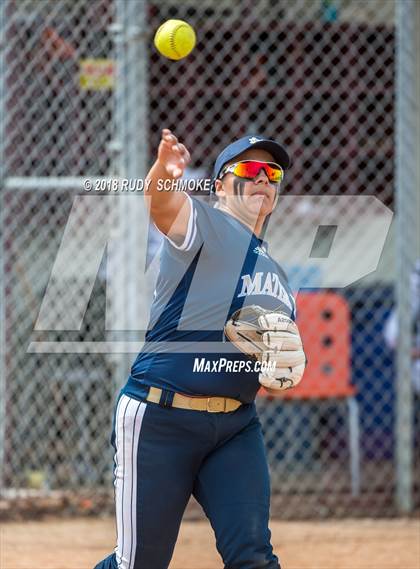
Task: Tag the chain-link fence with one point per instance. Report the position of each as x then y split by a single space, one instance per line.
84 94
58 122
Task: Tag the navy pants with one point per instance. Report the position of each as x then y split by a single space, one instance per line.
163 455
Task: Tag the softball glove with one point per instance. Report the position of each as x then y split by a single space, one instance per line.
271 338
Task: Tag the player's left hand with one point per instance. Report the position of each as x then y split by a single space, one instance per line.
270 337
172 155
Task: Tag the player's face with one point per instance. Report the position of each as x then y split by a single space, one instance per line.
255 197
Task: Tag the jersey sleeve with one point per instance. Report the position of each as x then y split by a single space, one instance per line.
191 230
290 294
202 224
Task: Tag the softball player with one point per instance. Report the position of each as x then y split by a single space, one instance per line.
185 423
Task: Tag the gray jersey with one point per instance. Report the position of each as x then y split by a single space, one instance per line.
220 267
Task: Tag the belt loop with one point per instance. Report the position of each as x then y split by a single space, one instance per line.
166 398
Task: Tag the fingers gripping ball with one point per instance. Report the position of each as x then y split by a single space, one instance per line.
175 39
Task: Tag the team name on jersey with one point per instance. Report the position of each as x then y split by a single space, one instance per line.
268 285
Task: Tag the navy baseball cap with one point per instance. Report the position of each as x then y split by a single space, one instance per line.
277 151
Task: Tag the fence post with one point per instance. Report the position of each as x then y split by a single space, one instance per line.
2 281
131 135
407 207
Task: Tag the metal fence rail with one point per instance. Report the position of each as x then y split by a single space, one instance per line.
84 94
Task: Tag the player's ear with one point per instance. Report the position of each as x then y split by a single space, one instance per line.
218 187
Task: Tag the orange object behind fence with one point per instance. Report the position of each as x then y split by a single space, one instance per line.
324 324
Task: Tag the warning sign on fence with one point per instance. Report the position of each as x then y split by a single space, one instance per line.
96 74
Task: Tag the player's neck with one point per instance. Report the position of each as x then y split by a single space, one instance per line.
254 224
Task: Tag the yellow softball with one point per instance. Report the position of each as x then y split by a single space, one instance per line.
175 39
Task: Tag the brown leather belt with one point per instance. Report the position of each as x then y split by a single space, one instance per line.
209 404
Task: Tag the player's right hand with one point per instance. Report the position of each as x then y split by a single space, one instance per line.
172 155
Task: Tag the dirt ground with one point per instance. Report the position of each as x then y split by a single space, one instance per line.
349 544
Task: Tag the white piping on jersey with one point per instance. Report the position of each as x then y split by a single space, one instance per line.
191 230
194 233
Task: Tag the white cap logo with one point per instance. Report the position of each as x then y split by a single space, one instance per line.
254 139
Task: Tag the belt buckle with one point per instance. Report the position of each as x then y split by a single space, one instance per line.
219 402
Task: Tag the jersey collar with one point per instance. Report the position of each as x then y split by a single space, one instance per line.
234 221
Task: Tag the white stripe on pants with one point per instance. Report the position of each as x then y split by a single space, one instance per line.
128 421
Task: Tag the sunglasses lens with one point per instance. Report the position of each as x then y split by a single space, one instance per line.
250 169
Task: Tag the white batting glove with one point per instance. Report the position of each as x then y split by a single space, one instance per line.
284 349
